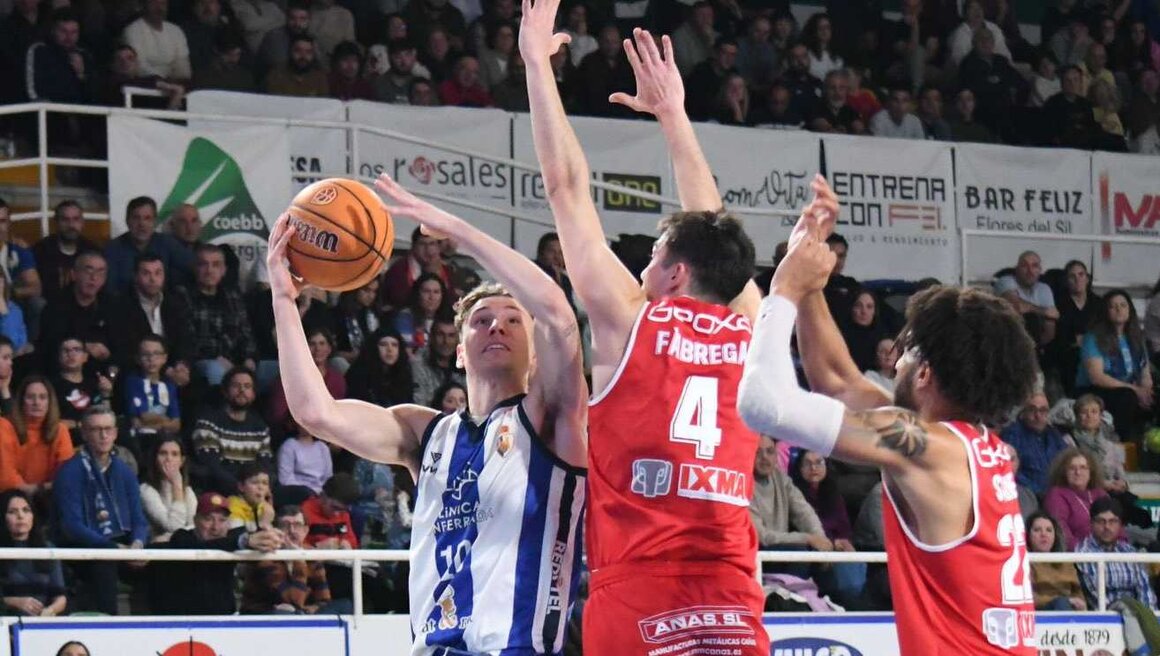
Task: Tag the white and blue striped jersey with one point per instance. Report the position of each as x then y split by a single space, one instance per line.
494 541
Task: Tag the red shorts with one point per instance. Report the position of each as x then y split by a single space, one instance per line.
640 609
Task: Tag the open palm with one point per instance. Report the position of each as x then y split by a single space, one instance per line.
659 88
538 38
400 202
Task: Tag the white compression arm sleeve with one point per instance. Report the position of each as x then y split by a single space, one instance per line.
769 398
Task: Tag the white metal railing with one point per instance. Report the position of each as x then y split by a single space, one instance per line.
356 558
968 233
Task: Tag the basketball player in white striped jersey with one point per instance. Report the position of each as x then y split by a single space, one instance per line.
500 501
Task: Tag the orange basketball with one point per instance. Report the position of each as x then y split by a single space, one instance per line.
343 236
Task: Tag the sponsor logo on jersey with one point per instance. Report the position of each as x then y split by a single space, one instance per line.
704 323
459 487
652 478
504 440
989 455
433 466
1001 626
713 484
447 617
696 620
813 647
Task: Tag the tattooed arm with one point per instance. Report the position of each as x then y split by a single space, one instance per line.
892 438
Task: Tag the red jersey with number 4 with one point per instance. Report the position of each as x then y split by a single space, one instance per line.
670 461
973 595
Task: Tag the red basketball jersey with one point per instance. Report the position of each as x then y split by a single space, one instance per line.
971 596
670 461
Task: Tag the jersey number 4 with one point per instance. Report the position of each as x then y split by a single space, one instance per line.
1017 569
695 420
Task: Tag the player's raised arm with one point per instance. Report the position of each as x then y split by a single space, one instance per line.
391 435
661 92
607 289
557 387
825 357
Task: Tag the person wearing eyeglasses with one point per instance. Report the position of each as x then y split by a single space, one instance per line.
1123 579
1037 442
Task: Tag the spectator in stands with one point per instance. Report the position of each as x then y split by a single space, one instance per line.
883 372
274 51
450 397
778 110
301 75
330 24
225 70
304 463
994 81
605 72
435 363
6 355
382 372
512 94
321 342
220 325
82 310
806 89
230 435
840 289
1122 579
896 119
863 329
1139 52
913 50
203 29
963 124
33 441
328 515
780 513
425 256
151 400
149 310
252 504
1114 365
185 225
1056 585
169 502
757 59
30 588
259 18
20 269
819 486
1036 442
78 387
346 80
205 588
1105 102
1044 81
578 27
355 318
964 38
464 88
833 113
425 16
1025 291
1069 46
429 299
704 82
1076 482
98 502
1095 67
438 55
1068 116
693 40
161 46
1078 307
930 112
1143 113
56 253
1098 440
141 237
394 85
12 325
290 587
1028 501
385 501
18 31
495 57
126 72
818 37
550 258
59 69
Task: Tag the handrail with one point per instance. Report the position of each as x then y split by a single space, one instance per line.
1090 239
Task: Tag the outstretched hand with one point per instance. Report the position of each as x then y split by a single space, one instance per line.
659 88
433 221
538 37
283 283
819 217
809 261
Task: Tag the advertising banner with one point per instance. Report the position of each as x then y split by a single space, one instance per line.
898 206
1127 191
1022 190
236 178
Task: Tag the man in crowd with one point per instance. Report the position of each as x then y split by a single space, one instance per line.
896 120
706 78
395 85
1123 579
141 237
425 256
82 309
301 75
436 364
275 49
1036 442
185 588
98 505
185 224
149 309
832 114
292 587
56 253
780 513
1024 290
230 435
161 46
222 334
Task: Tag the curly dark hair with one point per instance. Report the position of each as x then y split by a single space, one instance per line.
977 348
714 245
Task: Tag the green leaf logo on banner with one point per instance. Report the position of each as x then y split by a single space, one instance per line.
212 181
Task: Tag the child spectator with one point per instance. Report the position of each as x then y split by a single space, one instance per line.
254 507
151 402
328 515
77 388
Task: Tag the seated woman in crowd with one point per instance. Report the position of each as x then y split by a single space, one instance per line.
1056 585
33 440
1078 307
819 486
863 329
321 346
1099 440
304 464
882 375
166 497
1076 482
429 297
450 397
355 318
1114 365
31 588
382 372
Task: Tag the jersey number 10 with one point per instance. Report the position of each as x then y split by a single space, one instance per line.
695 420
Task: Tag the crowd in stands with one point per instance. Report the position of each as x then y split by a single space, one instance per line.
952 71
1069 444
